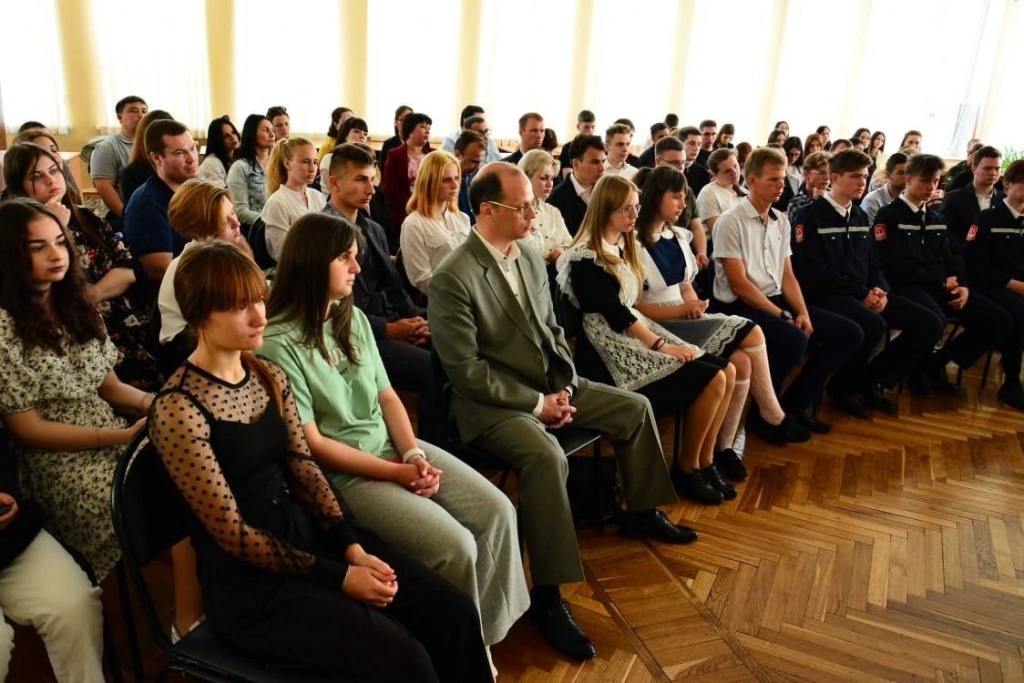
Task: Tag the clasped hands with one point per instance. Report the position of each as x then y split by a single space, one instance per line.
557 410
876 300
369 578
957 291
419 476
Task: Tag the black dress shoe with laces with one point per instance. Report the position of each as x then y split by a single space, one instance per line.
654 524
730 465
556 625
712 477
693 486
806 419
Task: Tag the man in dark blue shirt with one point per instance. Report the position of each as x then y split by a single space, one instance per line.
470 150
147 232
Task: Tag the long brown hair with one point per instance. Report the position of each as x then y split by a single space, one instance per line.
656 183
218 276
302 278
610 193
71 312
20 161
30 134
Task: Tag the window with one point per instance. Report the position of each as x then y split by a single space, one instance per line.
414 60
156 50
289 55
31 66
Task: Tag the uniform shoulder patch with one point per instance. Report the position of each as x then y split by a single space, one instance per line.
972 233
880 232
798 231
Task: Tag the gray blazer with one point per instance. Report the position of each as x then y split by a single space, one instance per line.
497 362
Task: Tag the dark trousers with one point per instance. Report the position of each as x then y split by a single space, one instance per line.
834 341
409 368
430 632
985 325
919 329
1013 344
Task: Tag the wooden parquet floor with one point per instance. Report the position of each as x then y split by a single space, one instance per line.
889 550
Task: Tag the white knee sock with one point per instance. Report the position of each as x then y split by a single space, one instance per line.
761 388
731 423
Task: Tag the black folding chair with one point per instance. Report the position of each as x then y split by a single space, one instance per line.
148 520
258 242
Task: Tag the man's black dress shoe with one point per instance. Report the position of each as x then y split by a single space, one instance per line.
556 625
655 525
806 419
730 465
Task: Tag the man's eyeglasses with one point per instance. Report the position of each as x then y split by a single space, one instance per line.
518 209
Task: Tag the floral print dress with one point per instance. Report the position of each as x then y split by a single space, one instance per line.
73 487
128 328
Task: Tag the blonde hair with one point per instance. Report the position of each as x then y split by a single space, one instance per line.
609 195
761 157
428 183
536 161
284 150
816 160
194 210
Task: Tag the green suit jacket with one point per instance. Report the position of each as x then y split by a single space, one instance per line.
497 361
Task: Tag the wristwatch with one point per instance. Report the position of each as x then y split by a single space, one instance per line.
786 315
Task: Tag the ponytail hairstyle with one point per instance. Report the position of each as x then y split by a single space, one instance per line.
218 276
277 174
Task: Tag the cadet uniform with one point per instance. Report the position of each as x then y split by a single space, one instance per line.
835 260
917 257
995 255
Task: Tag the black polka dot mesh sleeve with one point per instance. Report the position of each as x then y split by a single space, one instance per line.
180 432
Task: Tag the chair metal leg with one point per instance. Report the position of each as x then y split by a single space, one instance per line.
988 365
129 621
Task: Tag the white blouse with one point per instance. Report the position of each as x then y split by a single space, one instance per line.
427 241
282 209
549 230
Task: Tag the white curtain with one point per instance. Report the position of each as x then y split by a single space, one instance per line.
31 66
288 54
156 50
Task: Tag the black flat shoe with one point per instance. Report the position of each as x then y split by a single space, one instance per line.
787 431
655 525
555 623
920 385
712 477
692 485
806 419
730 465
940 382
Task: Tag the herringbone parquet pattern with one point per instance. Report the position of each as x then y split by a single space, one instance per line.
889 550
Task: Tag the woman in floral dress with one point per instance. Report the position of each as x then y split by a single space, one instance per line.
58 390
102 256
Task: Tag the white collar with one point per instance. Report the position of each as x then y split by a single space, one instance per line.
1013 212
911 204
843 211
513 251
580 190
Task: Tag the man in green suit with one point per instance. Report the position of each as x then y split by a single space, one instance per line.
513 380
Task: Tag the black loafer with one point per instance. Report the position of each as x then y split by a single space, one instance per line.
555 623
876 401
655 525
730 465
712 477
806 419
